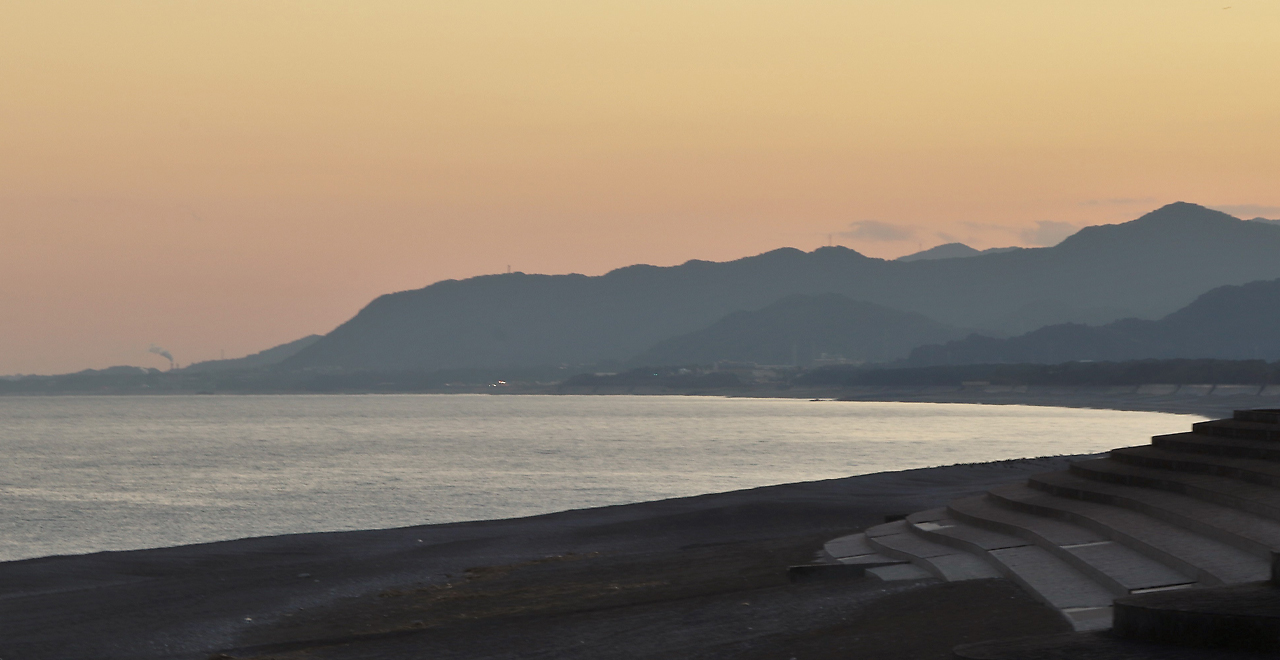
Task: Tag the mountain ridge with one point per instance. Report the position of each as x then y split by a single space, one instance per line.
1145 268
1227 323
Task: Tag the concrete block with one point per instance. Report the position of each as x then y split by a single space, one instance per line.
1270 390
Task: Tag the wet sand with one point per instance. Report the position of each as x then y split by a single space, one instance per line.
696 577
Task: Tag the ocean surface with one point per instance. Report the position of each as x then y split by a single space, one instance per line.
83 474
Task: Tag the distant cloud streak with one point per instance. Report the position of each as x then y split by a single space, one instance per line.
876 231
1249 211
1047 232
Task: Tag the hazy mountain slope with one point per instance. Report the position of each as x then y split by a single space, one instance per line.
1231 322
798 329
1146 268
270 356
952 251
944 251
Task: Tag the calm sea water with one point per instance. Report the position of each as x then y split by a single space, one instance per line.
82 474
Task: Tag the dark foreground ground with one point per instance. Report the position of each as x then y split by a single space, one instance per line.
699 577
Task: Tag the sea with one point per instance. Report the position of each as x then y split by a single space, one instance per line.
94 473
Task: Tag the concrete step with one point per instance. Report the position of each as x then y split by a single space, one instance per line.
1254 498
1259 415
983 511
1092 646
854 550
852 545
1203 444
898 541
1245 530
1049 579
1204 558
1231 428
957 534
1117 567
1242 617
1252 470
903 571
1080 586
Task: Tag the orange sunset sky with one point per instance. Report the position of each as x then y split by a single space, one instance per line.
226 176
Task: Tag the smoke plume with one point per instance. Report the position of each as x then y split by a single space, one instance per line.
162 353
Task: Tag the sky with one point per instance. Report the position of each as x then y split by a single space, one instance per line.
220 177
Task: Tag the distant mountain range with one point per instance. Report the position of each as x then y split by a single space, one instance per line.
1230 323
799 329
1145 268
953 251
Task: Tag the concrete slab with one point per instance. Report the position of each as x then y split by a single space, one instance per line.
1126 568
969 536
984 511
1203 444
963 566
1194 390
1230 428
1243 529
1270 390
1051 579
1093 645
1258 471
848 546
895 527
1088 619
1210 560
1225 491
928 516
909 546
873 558
898 572
1157 389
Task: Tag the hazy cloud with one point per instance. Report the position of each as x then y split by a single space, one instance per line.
1249 211
874 230
1047 232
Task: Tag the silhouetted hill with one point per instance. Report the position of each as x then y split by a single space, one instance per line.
1145 268
952 251
1230 323
271 356
800 328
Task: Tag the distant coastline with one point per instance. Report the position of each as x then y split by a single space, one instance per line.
1209 400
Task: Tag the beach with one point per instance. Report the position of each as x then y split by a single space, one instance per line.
695 577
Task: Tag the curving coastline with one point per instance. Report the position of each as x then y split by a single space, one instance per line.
691 577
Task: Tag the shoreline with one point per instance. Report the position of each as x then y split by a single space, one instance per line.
632 575
1123 398
403 588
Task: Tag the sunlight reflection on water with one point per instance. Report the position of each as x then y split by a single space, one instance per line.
83 474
